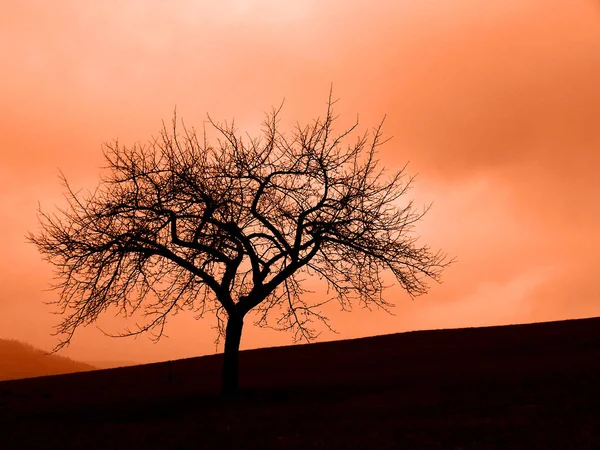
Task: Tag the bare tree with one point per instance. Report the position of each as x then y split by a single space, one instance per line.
230 228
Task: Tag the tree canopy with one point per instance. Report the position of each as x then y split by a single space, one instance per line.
234 226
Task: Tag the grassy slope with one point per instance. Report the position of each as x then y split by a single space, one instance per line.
525 386
20 360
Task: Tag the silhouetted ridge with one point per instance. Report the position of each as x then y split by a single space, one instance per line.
397 354
520 386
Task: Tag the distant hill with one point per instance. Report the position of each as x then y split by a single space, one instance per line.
102 364
20 360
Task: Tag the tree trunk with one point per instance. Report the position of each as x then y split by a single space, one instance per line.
233 335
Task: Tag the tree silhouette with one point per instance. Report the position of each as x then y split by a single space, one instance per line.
181 224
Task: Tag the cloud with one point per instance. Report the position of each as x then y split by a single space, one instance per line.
494 103
490 303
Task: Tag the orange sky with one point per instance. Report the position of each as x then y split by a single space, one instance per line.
495 104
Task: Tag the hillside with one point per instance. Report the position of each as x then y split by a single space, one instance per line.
521 386
20 360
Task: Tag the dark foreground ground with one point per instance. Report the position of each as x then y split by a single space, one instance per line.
525 386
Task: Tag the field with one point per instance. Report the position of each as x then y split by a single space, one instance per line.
520 386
